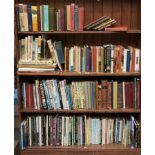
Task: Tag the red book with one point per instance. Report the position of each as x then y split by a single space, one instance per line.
126 95
117 28
138 96
80 18
27 95
95 52
31 97
72 16
62 19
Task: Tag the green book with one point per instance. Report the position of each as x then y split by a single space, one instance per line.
51 19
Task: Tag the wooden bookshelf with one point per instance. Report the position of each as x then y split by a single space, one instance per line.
72 74
127 13
82 150
81 32
82 111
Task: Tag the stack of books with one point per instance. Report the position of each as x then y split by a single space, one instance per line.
49 130
100 24
48 18
39 54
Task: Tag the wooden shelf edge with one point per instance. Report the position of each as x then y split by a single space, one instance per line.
76 74
84 148
81 111
82 32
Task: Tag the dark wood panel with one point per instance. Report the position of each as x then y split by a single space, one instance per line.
107 8
126 9
116 11
88 6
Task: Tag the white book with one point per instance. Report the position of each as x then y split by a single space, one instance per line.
37 128
33 49
62 135
34 97
72 59
36 49
29 48
46 130
37 94
36 69
30 131
137 60
125 60
103 130
40 131
26 56
123 95
25 21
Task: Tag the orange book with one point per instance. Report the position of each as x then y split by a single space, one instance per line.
34 18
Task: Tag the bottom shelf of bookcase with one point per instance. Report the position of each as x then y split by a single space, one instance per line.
114 149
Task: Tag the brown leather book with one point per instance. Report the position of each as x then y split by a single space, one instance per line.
104 93
99 97
109 101
80 18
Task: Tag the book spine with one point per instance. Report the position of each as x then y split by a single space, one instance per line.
76 18
34 18
39 18
80 18
17 17
62 20
46 18
72 10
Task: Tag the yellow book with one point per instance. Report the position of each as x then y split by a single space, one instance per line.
34 10
115 94
68 18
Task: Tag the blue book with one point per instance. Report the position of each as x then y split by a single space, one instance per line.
29 14
21 137
56 95
83 61
68 93
128 61
76 18
87 59
45 18
46 94
60 51
127 126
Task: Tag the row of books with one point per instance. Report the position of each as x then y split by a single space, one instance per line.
106 58
35 54
104 94
48 18
79 130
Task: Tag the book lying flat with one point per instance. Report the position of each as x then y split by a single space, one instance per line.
117 28
36 69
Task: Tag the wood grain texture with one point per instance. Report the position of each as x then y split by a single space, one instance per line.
76 74
76 150
82 111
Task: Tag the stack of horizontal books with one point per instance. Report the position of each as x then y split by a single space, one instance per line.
100 23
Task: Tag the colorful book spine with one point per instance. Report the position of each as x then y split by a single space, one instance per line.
34 18
45 17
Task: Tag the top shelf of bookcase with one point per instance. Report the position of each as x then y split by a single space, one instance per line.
81 32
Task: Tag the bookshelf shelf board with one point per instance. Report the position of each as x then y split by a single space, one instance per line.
77 74
80 32
65 150
82 111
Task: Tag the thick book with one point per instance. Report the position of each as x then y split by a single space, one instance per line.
45 17
116 28
72 10
80 18
29 17
34 18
